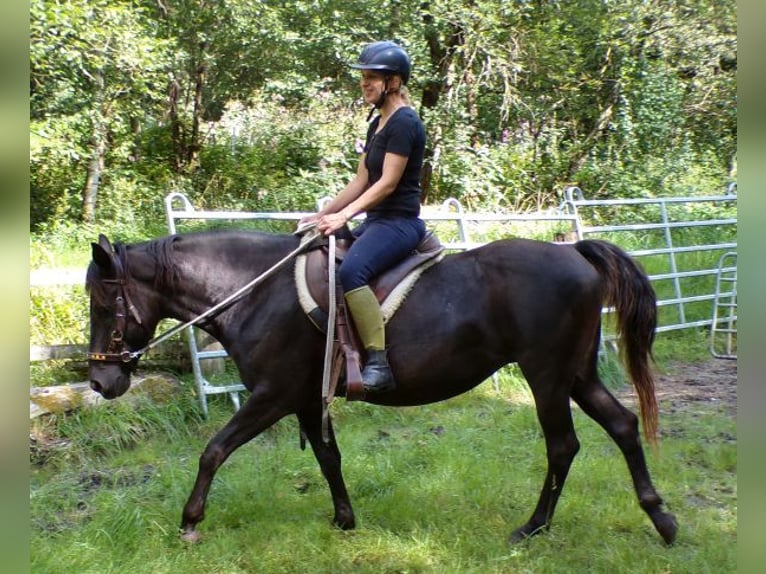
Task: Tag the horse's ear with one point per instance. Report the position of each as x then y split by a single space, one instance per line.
102 252
105 243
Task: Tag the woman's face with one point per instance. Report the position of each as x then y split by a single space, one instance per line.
372 84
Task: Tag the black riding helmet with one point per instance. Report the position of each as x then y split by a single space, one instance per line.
385 56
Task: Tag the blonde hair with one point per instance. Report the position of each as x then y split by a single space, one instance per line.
404 93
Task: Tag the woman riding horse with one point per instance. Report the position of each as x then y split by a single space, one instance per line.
387 187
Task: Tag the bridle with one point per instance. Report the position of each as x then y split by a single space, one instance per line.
118 351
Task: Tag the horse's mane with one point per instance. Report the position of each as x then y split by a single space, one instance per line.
161 254
159 250
165 271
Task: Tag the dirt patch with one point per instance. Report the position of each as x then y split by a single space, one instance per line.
681 386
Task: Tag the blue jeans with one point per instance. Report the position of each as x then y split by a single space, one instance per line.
380 244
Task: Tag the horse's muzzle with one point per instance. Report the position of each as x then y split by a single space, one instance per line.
110 388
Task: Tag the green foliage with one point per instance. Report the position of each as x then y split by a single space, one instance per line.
129 424
623 99
57 315
258 159
96 71
681 346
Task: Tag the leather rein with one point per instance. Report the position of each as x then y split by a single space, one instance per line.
118 350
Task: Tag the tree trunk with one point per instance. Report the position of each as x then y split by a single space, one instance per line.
176 133
441 60
93 178
473 111
194 145
97 151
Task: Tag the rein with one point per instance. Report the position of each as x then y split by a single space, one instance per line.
329 350
118 351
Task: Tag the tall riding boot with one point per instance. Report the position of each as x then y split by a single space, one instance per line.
368 320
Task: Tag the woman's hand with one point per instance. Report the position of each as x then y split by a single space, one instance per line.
306 223
331 222
308 220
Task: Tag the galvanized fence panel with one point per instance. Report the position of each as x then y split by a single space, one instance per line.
723 331
677 263
663 218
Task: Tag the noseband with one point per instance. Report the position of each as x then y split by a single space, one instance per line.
118 351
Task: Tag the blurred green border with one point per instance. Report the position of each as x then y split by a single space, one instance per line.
14 286
751 283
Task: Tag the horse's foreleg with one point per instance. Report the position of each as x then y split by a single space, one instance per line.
562 445
329 459
622 425
255 416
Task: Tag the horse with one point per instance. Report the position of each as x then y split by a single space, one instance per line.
535 303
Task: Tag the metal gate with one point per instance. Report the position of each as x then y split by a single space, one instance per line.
723 330
667 226
661 219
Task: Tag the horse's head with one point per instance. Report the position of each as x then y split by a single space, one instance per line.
116 327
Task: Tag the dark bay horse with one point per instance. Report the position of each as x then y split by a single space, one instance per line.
534 303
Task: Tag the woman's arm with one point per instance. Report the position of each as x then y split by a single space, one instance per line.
352 201
353 189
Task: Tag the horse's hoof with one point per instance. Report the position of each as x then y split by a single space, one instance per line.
517 537
667 526
347 524
520 535
190 536
524 533
344 517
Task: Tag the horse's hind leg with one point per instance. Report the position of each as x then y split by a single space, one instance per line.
329 459
256 415
553 411
622 425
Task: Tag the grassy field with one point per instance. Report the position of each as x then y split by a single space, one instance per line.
435 489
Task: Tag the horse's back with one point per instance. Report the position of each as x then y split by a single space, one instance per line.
519 267
481 309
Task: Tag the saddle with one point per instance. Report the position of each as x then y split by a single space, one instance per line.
390 288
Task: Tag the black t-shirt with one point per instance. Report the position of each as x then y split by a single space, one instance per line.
404 135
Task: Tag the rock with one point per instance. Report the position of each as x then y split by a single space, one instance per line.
159 387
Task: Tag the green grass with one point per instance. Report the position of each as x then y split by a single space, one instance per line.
435 489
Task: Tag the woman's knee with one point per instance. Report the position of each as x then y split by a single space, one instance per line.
351 277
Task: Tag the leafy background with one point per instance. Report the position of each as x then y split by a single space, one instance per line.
251 104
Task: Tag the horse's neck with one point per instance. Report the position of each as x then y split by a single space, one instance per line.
202 277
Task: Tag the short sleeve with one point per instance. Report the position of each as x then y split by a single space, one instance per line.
402 135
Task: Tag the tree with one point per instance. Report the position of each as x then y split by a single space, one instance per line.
93 70
519 98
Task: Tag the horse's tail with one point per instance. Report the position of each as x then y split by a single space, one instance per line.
627 289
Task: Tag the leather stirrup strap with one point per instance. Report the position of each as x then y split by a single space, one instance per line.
354 385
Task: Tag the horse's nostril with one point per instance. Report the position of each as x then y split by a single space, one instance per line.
96 386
